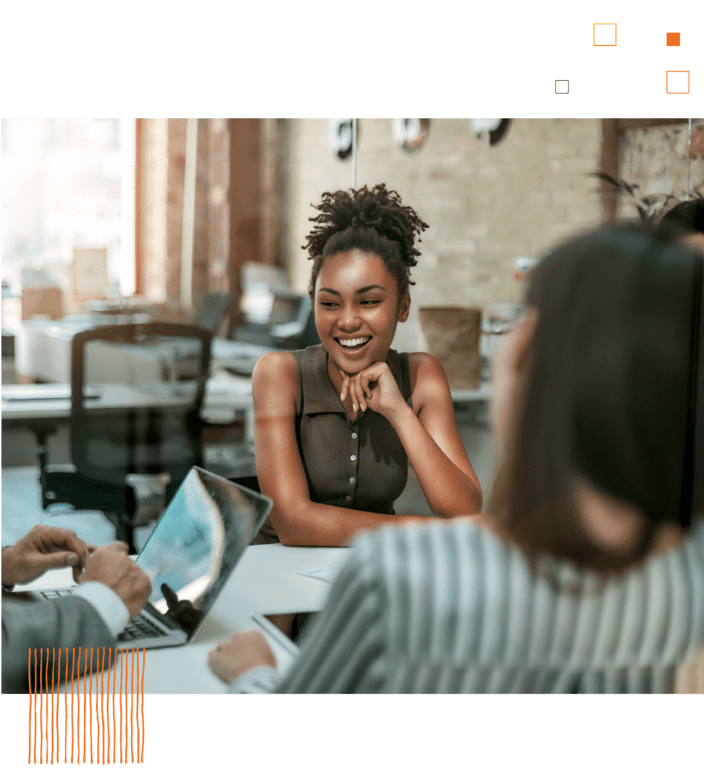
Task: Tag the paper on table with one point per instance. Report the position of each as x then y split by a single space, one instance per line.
329 573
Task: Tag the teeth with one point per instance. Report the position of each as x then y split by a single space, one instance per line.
350 343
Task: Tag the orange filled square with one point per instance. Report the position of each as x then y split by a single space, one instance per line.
673 38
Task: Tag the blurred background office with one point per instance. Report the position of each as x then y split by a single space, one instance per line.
116 221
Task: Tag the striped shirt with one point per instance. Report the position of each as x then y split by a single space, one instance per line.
450 608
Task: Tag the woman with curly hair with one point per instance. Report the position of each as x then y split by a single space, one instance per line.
336 424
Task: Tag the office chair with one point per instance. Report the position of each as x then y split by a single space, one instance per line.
132 445
291 324
300 332
212 311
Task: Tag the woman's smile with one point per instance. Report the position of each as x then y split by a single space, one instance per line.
354 344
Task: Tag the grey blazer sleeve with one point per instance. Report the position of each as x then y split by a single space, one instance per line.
66 622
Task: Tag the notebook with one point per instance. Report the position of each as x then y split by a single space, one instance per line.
189 557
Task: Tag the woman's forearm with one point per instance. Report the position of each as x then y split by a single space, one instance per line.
322 525
449 491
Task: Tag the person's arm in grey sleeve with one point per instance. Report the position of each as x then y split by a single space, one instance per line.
65 622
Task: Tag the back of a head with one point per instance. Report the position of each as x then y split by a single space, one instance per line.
685 218
685 222
608 395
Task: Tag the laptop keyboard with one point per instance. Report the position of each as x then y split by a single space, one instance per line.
140 626
56 593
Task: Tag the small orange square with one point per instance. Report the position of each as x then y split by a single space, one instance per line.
605 24
673 38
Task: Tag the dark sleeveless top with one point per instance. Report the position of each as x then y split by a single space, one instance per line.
359 465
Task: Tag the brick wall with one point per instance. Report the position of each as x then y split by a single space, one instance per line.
656 158
486 206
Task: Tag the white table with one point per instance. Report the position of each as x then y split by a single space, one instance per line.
267 580
221 396
43 351
227 397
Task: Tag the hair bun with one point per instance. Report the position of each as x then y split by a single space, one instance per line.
373 220
379 208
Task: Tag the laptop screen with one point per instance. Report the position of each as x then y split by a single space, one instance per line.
197 543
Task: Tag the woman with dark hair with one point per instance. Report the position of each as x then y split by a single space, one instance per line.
588 572
336 424
685 221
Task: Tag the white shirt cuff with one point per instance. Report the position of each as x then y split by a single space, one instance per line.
111 609
257 680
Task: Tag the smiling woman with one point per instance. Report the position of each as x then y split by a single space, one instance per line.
336 424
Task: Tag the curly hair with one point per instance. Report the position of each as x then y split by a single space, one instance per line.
372 220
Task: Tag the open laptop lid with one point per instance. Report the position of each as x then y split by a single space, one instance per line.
197 543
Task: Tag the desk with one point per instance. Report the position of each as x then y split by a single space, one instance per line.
226 398
126 309
236 356
266 580
43 351
223 397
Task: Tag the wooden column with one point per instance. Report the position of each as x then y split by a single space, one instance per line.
608 163
201 235
139 207
273 225
218 206
245 201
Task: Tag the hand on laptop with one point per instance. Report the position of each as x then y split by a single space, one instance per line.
43 548
111 566
182 611
244 651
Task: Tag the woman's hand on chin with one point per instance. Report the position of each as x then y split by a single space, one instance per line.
374 387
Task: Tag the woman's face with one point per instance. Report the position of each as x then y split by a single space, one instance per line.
356 309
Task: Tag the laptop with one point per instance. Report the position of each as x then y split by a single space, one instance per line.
189 557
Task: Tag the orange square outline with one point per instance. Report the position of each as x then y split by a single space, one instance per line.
605 45
677 93
672 36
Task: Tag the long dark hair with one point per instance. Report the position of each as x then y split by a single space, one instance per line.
609 393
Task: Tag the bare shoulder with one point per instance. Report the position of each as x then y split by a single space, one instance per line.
280 363
425 368
275 375
428 380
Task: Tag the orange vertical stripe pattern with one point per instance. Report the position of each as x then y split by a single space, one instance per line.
41 706
45 738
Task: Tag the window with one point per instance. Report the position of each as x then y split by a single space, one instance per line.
67 183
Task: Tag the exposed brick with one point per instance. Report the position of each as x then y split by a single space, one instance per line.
656 159
485 206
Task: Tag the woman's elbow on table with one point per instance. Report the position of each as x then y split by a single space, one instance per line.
292 526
